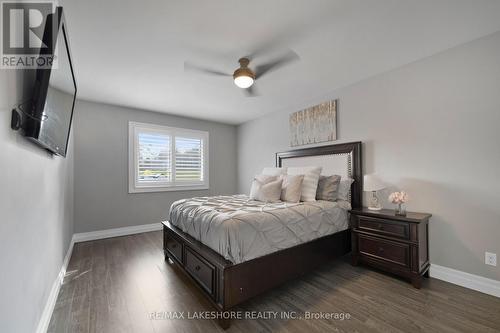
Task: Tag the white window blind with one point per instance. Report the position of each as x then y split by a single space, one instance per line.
166 158
154 162
188 159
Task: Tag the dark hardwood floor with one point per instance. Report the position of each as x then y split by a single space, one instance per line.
113 285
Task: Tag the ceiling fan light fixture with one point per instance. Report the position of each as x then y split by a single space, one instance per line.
243 81
243 76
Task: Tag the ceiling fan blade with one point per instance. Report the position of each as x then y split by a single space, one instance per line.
189 67
251 91
279 42
284 60
311 24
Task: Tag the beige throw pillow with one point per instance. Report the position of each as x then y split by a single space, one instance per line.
292 188
269 192
328 187
310 182
258 181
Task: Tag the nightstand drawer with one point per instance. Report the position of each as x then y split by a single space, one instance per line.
384 227
397 244
394 252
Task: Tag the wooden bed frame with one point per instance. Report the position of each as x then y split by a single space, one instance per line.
225 285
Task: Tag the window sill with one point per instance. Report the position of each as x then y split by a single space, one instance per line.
167 189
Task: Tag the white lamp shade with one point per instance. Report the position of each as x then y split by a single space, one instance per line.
373 183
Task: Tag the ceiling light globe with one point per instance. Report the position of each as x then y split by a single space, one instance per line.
243 81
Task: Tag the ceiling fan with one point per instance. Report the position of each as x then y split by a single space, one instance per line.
245 77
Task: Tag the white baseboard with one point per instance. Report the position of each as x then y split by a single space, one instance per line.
467 280
108 233
43 323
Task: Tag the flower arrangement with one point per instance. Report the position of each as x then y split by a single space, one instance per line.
399 198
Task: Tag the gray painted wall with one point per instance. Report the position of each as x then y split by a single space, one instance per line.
102 200
36 222
431 128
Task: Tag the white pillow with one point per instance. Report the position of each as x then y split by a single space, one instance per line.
258 181
344 189
310 182
274 171
268 192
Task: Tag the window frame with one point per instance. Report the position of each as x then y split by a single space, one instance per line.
133 153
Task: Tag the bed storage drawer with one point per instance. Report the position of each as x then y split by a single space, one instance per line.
174 247
396 253
201 270
384 227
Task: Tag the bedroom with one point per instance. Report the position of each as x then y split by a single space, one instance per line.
397 95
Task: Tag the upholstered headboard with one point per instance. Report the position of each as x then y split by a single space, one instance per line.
342 159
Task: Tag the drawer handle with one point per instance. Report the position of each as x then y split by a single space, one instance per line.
197 268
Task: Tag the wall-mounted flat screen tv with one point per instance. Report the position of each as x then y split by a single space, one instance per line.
54 91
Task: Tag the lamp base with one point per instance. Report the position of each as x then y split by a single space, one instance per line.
374 202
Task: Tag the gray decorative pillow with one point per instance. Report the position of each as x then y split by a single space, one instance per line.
292 188
328 187
269 192
344 192
258 181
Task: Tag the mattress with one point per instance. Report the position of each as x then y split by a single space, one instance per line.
241 229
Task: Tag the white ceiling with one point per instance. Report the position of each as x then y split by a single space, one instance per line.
132 53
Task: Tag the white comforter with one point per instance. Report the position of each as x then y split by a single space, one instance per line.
241 229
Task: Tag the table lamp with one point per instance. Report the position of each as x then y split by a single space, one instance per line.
372 183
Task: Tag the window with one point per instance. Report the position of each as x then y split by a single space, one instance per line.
166 158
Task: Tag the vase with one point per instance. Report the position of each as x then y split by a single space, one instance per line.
400 210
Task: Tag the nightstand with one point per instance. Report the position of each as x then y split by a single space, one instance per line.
397 244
